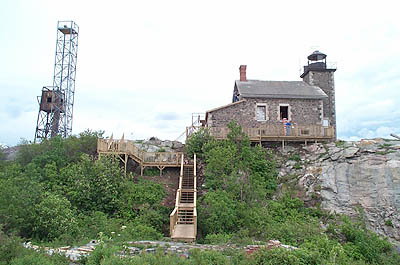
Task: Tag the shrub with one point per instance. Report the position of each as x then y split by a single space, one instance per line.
101 254
294 157
218 213
220 238
32 257
10 247
208 257
54 217
194 144
137 231
144 194
388 222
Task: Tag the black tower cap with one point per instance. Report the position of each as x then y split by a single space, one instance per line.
316 56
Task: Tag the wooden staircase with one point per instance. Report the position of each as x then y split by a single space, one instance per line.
183 219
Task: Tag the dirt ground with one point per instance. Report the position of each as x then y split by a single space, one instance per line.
170 181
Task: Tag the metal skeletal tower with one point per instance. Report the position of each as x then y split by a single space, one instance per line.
57 101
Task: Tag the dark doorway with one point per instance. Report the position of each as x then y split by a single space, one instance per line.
284 112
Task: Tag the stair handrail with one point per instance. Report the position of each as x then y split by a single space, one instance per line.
195 222
173 218
194 165
182 165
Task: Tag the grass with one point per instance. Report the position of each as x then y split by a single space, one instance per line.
151 172
298 166
295 157
385 152
388 222
287 178
340 143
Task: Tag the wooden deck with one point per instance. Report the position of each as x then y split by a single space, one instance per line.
183 232
276 132
126 149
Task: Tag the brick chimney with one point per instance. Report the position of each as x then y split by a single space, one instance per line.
242 70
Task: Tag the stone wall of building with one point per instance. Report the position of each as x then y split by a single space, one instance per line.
325 80
301 111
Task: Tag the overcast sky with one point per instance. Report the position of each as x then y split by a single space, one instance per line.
144 66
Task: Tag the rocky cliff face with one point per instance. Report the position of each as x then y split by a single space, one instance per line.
348 176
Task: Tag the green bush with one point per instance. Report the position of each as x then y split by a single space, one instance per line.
194 144
10 247
151 172
19 196
283 256
295 157
32 257
137 231
362 244
54 217
218 211
220 238
92 186
102 254
208 257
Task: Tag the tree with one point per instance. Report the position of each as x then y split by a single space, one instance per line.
54 217
235 166
219 212
194 144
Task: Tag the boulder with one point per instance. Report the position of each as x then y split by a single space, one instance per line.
350 152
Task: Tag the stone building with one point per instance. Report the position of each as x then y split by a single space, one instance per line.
262 107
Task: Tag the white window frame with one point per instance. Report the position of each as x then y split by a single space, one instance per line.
289 111
266 111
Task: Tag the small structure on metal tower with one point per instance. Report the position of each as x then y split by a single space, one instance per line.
56 102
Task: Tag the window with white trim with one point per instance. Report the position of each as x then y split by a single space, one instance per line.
261 112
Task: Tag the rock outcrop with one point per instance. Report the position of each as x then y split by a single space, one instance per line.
353 177
153 144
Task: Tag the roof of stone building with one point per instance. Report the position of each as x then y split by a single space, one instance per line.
278 89
226 106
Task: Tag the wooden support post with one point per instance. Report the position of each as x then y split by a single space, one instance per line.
161 168
283 145
195 165
141 170
126 162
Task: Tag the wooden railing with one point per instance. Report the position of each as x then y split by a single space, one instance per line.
278 131
173 218
129 147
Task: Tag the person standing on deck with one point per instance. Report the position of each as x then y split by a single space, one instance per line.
287 125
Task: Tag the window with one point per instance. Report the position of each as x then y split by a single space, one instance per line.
261 112
48 99
284 112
